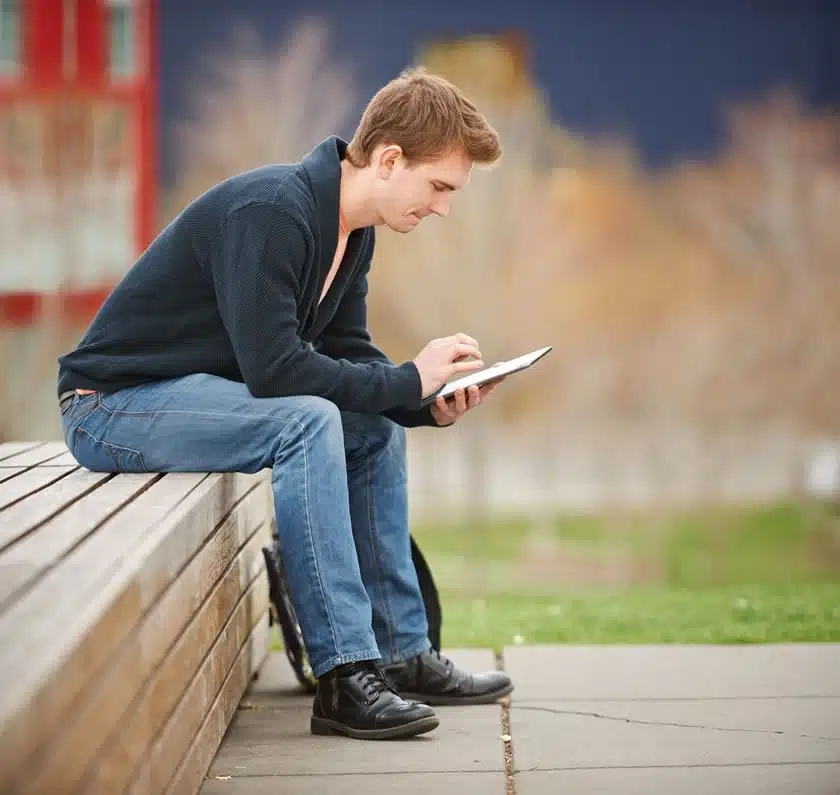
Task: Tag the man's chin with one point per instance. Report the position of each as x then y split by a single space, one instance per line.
404 225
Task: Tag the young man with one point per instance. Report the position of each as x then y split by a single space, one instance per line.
238 342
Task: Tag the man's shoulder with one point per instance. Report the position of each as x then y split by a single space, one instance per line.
280 186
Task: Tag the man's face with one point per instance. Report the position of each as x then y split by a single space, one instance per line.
407 193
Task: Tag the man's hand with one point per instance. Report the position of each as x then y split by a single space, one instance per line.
446 411
443 359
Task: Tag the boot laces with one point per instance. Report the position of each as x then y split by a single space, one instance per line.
375 681
443 658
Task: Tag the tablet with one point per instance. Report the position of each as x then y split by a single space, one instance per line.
487 374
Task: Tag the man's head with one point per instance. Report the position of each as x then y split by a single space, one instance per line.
417 142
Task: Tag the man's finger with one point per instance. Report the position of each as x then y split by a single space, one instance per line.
465 367
461 337
460 401
474 397
446 413
465 349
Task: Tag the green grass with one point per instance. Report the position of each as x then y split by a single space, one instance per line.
730 614
725 575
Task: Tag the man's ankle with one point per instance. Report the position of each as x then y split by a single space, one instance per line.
350 668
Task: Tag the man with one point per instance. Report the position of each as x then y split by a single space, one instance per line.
238 342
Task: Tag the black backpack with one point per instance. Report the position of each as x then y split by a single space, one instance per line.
282 612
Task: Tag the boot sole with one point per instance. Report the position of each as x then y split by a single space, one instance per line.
326 727
454 701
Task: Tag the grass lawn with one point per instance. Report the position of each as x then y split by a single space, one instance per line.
729 575
726 575
723 614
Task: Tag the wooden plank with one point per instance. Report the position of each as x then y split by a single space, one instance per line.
26 515
193 768
29 482
222 680
37 455
23 562
232 609
10 472
57 636
8 449
123 699
65 459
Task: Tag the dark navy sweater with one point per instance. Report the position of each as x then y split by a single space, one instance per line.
230 287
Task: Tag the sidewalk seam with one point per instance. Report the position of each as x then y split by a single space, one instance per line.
507 738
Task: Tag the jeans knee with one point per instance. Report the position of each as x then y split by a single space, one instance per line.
310 420
316 410
376 433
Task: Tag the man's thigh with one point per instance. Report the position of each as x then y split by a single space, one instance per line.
199 423
370 434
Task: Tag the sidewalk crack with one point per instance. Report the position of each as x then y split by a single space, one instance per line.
507 739
643 722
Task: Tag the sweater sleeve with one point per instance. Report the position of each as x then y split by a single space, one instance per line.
347 337
255 270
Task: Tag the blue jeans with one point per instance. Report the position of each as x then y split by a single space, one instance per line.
340 496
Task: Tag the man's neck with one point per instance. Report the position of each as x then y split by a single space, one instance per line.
357 204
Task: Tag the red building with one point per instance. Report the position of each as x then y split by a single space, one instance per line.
77 152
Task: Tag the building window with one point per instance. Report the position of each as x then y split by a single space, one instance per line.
9 38
122 39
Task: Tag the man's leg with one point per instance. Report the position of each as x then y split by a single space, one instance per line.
377 484
206 424
203 423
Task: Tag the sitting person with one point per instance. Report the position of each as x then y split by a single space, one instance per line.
238 342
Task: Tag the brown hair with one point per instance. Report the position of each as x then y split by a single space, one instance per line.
427 116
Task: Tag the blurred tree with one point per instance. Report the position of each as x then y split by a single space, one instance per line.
768 208
250 106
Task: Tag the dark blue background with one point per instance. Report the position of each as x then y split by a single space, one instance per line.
659 71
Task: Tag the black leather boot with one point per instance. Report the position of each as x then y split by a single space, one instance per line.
434 679
358 701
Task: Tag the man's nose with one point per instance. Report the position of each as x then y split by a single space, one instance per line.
441 208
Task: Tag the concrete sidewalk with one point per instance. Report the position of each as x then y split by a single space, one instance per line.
584 719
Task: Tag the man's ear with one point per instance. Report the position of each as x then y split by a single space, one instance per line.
387 159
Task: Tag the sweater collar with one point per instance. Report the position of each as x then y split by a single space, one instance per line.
323 165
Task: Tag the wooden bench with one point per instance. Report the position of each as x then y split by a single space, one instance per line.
133 615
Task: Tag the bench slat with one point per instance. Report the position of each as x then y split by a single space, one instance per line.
50 634
26 515
37 455
194 767
88 604
221 681
10 472
8 449
63 460
138 745
28 482
116 718
23 562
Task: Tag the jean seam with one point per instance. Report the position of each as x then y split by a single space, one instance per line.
309 541
374 544
192 412
80 430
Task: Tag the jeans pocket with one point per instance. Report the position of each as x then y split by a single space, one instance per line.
99 456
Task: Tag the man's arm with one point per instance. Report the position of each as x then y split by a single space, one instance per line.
255 269
347 337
